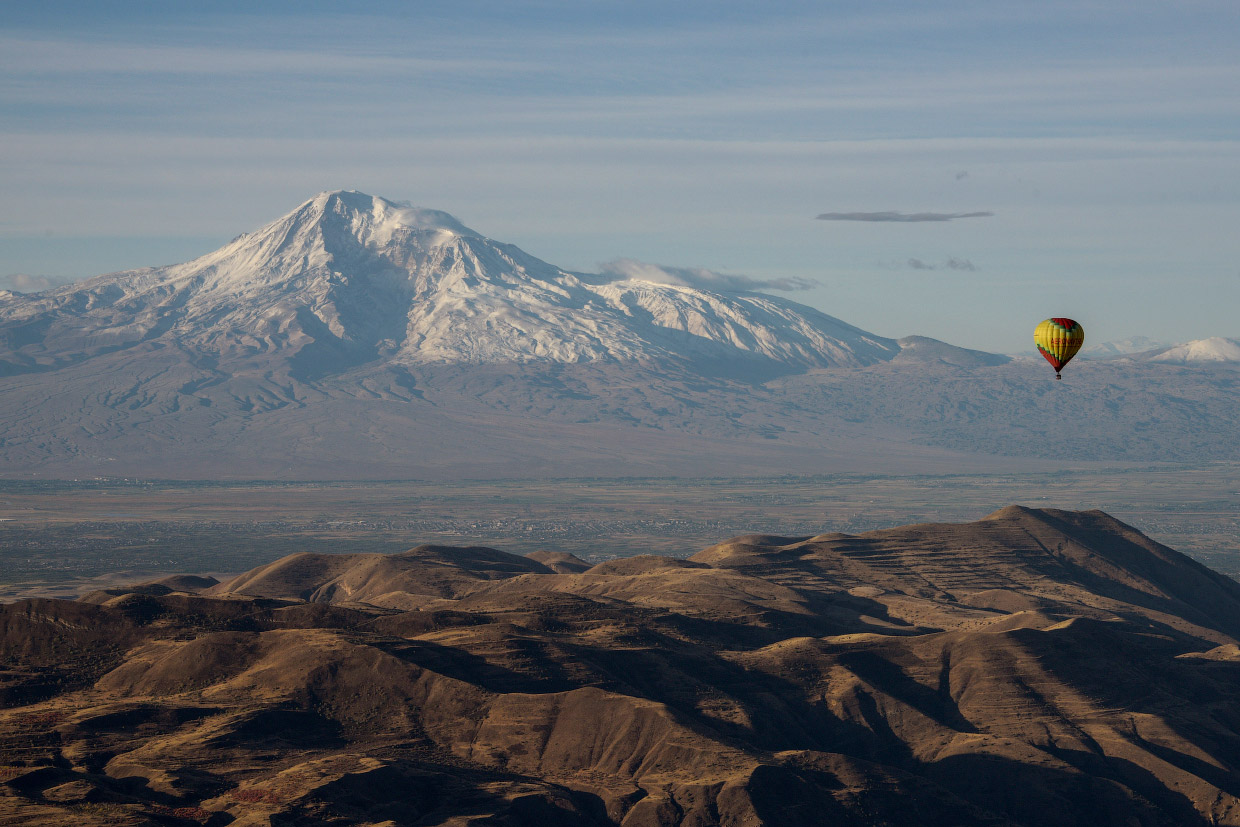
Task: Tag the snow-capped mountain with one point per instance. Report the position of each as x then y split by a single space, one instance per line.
347 279
358 338
1201 351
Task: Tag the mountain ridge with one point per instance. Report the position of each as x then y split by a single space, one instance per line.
981 673
1215 349
358 338
355 276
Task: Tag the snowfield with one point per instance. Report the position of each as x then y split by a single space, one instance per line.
372 279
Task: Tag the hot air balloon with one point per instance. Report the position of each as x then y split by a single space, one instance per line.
1058 340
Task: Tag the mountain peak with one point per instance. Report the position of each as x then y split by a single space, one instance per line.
383 217
347 279
335 231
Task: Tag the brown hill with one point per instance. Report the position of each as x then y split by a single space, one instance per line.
1034 667
560 562
413 578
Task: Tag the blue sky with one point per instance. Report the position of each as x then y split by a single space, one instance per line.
1100 136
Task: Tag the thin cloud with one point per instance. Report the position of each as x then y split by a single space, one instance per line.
628 268
26 283
67 56
900 216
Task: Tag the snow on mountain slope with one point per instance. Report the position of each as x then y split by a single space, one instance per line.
348 279
1213 350
924 350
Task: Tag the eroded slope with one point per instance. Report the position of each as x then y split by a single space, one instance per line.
986 673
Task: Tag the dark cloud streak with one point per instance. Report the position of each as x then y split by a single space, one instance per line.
952 263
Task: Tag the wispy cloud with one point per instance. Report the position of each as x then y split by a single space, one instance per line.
952 263
900 216
26 283
627 268
69 56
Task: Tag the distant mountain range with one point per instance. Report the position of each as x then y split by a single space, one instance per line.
1214 350
356 337
1120 347
1035 667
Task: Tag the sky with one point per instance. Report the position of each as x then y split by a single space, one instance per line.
959 170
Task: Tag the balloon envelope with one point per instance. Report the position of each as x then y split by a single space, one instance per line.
1058 340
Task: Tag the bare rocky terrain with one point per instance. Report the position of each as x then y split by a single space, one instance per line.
1035 662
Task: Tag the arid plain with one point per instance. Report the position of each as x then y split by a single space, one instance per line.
63 538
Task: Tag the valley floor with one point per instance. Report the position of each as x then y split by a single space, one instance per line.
66 538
